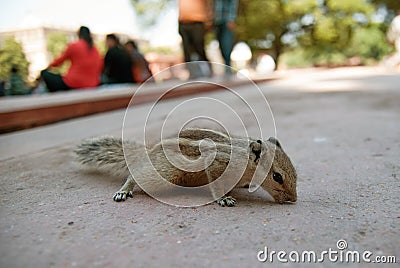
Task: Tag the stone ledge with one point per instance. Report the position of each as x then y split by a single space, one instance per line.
24 112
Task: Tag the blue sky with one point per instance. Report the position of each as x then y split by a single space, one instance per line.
101 16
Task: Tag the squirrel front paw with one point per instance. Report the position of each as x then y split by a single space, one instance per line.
226 201
122 196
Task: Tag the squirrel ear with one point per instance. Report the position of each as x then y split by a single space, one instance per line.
275 141
255 148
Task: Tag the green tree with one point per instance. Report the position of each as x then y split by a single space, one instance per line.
265 24
56 44
369 43
326 26
12 54
392 5
149 10
336 21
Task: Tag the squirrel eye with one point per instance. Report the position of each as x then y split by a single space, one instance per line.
277 177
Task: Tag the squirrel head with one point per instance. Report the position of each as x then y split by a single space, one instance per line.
280 181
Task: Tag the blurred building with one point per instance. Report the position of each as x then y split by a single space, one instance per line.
34 43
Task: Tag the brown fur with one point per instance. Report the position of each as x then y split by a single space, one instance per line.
263 158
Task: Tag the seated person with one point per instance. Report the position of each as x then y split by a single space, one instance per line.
117 62
140 67
85 69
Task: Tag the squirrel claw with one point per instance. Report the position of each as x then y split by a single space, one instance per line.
122 196
226 201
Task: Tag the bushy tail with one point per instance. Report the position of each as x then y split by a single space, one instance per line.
104 153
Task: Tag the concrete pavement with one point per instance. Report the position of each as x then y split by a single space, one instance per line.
340 127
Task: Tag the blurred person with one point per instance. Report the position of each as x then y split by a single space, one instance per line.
85 69
394 32
15 85
140 67
117 62
225 13
394 38
194 18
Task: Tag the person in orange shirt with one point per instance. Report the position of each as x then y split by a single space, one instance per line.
85 69
194 17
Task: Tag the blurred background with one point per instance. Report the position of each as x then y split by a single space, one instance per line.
270 34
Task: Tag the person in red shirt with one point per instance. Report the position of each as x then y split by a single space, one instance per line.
85 69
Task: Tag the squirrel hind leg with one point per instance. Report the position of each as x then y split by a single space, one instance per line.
213 173
125 191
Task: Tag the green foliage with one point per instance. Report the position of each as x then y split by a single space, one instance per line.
263 24
160 50
335 25
306 57
318 32
369 43
282 24
325 30
349 7
149 10
390 4
56 44
297 57
12 54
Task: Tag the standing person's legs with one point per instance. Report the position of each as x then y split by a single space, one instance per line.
54 82
185 30
197 34
225 38
186 43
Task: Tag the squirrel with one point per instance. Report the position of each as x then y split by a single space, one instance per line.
278 173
